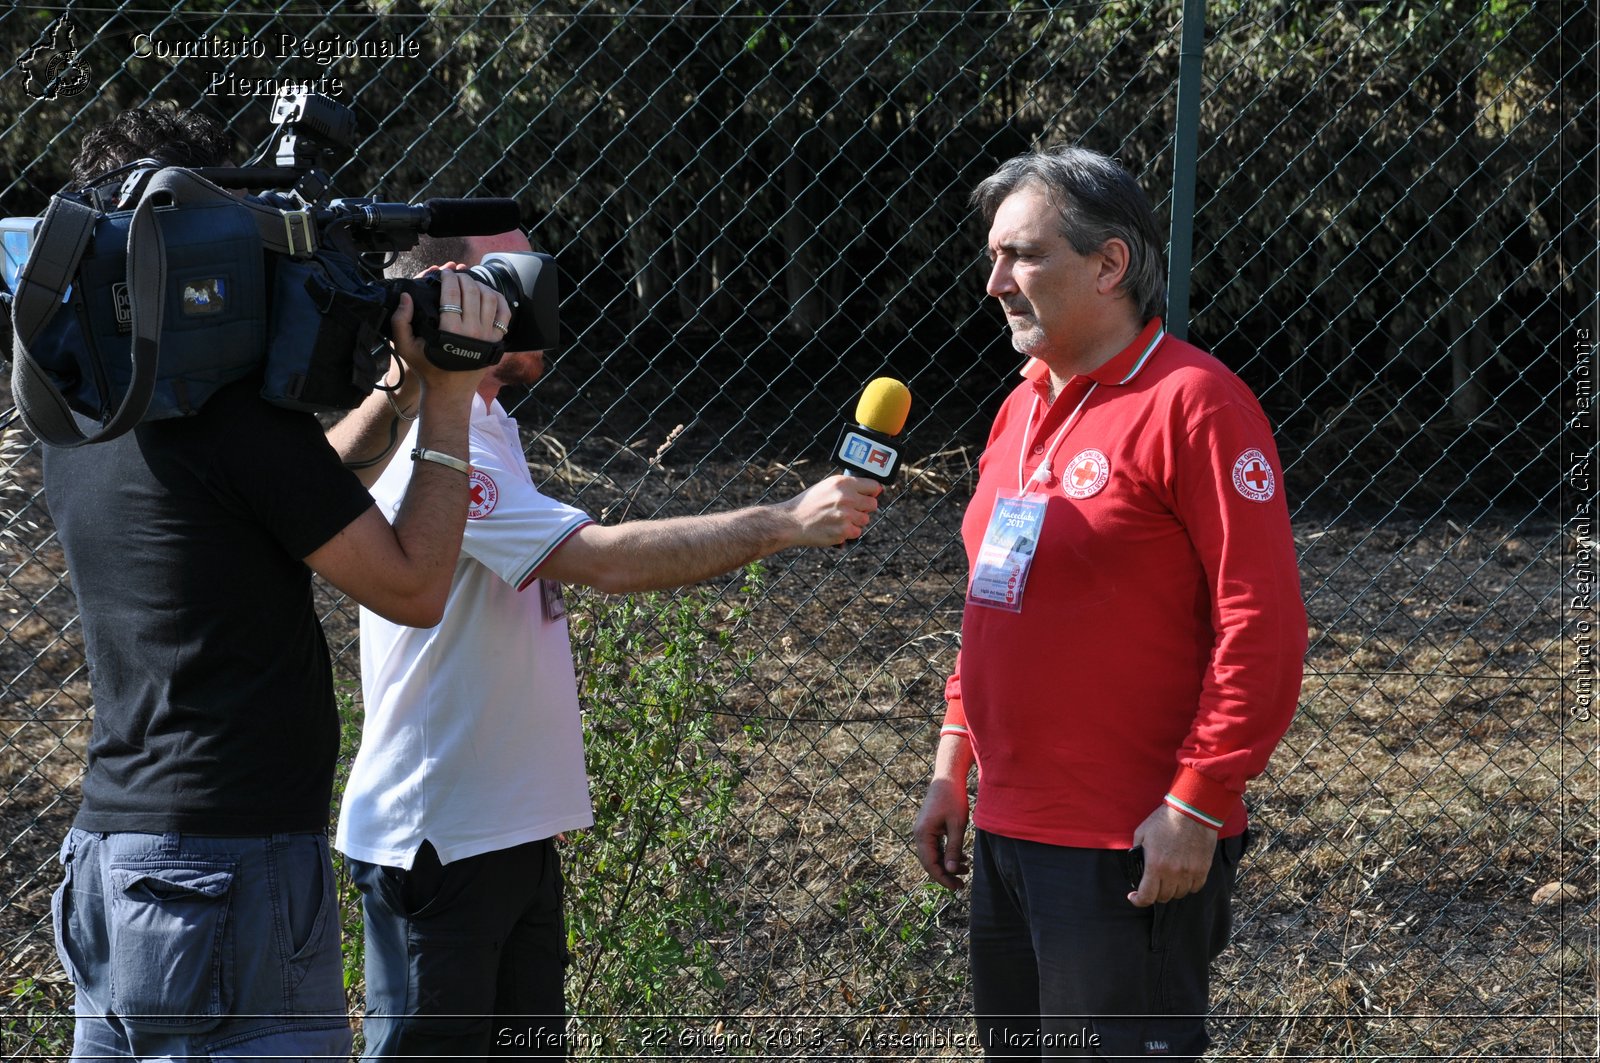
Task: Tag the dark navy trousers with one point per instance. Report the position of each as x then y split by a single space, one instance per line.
1063 966
465 958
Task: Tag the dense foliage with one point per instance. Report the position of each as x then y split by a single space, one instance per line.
761 207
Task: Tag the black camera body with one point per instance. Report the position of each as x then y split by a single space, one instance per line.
135 298
317 129
528 281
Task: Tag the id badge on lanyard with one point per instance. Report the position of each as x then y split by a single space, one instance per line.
1009 543
1012 538
1001 572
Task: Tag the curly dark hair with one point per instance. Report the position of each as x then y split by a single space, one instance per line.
174 137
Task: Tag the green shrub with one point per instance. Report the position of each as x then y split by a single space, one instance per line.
645 884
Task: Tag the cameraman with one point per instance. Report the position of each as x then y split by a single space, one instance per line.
471 758
197 912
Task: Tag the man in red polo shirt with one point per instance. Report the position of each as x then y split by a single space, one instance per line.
1132 644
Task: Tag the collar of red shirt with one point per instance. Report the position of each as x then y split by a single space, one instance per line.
1122 367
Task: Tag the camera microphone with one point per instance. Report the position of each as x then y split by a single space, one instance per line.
470 217
436 217
864 447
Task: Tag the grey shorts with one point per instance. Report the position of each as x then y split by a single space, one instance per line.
191 945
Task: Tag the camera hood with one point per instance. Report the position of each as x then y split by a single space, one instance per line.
529 281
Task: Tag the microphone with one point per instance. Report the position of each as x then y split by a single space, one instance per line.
864 447
471 217
436 217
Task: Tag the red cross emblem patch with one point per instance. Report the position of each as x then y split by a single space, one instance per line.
484 495
1085 474
1253 476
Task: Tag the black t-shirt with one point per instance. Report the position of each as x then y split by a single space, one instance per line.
214 710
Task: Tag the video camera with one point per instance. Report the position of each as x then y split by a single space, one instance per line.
136 297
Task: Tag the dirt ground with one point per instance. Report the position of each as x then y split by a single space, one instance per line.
1397 900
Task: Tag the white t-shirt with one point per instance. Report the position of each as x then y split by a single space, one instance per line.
472 738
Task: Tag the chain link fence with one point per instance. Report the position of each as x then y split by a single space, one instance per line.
755 211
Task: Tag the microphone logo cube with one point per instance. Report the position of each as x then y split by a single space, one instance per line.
866 456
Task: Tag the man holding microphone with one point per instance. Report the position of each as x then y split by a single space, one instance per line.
471 757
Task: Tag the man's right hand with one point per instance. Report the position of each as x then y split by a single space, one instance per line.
481 308
832 511
940 831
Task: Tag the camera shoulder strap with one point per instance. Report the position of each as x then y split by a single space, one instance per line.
286 232
63 237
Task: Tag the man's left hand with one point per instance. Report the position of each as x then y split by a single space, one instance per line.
1177 856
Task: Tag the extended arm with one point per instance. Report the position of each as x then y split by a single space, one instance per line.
656 554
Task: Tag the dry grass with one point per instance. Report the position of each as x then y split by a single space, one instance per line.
1430 786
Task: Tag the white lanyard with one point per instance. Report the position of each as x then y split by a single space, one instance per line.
1044 471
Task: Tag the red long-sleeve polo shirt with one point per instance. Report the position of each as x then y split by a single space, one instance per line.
1158 653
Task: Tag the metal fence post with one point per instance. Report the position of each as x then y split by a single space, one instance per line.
1185 155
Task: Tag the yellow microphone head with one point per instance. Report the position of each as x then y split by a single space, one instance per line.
884 406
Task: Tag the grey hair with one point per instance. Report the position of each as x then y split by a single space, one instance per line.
1099 200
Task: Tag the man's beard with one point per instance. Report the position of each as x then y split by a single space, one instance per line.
1025 335
520 370
1025 331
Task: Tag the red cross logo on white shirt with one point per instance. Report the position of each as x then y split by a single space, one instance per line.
484 495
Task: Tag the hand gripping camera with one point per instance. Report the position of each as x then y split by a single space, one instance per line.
136 298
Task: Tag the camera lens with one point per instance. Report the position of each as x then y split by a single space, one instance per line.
527 279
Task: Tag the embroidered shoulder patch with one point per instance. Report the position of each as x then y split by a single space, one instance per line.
1253 476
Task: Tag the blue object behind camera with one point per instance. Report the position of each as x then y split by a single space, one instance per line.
140 315
213 328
